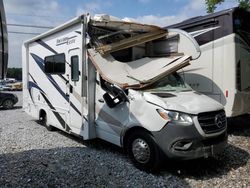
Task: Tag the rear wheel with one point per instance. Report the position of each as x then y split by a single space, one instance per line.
8 104
143 151
43 121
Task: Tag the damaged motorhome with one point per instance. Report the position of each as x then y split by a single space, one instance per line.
114 80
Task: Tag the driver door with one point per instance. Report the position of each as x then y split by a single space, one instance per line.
110 121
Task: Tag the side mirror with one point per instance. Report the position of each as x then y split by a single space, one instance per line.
111 102
116 97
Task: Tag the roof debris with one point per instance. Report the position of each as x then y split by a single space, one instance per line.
133 55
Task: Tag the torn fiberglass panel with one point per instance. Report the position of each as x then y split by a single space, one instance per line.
133 55
138 73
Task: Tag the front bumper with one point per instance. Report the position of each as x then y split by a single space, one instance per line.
185 142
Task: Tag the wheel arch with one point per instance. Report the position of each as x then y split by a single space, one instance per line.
42 113
154 158
130 131
7 98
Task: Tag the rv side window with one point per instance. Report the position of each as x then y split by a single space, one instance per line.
74 68
55 64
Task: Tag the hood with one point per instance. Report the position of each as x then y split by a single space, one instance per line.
190 102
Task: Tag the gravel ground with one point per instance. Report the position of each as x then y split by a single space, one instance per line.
31 156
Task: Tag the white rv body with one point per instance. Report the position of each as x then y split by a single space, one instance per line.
219 78
75 100
222 71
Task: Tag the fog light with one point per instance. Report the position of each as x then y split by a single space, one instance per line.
182 145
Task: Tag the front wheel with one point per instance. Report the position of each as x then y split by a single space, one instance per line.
143 151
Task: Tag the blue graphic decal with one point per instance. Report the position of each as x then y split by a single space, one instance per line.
40 63
57 115
32 84
46 46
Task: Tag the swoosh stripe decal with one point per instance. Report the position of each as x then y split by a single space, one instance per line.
57 115
39 41
40 63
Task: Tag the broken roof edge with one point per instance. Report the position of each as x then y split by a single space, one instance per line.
105 20
124 25
130 42
138 33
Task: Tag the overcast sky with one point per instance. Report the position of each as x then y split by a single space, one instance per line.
54 12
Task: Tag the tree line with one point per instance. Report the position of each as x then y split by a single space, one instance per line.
14 73
212 4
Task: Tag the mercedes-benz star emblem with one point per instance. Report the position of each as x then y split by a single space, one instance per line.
218 121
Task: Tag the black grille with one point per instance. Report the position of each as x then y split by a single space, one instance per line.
215 140
212 122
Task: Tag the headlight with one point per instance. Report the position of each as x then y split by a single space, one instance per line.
177 117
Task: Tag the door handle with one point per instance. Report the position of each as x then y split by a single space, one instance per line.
71 89
101 100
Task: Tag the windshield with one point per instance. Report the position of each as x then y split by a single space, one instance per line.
242 28
172 82
242 25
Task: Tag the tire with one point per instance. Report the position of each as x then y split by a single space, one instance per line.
43 121
8 104
143 151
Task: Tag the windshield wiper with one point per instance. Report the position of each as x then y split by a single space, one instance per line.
163 90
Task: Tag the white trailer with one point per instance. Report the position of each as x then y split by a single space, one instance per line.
117 81
222 71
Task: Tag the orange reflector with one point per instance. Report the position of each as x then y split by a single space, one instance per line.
226 93
164 116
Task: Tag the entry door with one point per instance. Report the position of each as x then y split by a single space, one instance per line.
74 90
110 121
